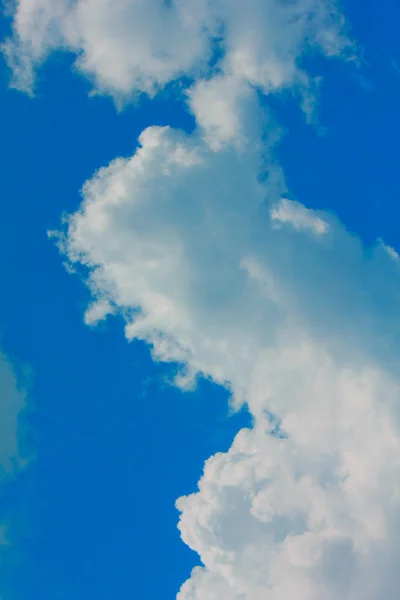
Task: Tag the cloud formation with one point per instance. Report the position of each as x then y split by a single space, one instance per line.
195 242
128 47
299 321
13 451
12 404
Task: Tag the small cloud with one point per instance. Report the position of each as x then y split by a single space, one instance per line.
13 441
98 311
12 404
298 216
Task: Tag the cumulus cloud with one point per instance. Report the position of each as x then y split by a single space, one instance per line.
128 47
312 515
121 45
181 240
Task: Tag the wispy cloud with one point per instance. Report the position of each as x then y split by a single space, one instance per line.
14 451
12 405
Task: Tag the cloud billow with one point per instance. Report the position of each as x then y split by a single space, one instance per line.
300 322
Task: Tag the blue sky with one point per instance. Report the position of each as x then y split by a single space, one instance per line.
100 407
113 442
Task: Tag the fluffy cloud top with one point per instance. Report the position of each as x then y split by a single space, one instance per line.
123 45
126 47
218 271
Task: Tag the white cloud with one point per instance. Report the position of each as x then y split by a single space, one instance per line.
226 109
301 218
98 311
314 515
126 47
179 240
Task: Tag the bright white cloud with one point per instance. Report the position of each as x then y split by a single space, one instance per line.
312 516
126 47
179 239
